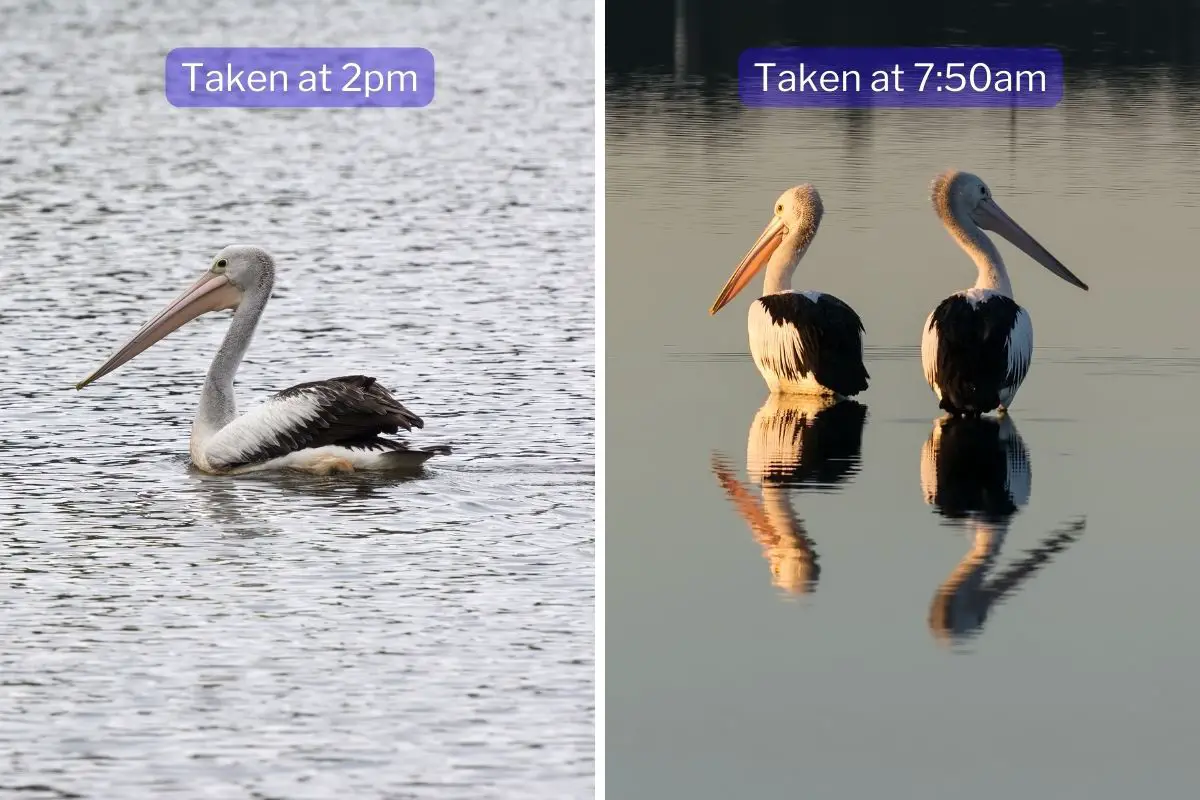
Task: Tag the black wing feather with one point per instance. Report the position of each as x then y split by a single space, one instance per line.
830 335
972 356
352 411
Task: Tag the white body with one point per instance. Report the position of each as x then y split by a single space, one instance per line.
335 458
213 450
772 344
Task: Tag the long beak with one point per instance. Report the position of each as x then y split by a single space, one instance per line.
210 293
767 243
993 218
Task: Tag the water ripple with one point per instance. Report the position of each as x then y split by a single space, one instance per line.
174 634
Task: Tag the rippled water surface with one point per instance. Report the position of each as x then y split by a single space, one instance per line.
172 634
860 601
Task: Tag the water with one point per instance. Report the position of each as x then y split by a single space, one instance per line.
173 634
824 619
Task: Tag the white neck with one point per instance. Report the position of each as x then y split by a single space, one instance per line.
217 405
785 259
992 272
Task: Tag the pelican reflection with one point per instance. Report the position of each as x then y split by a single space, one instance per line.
249 507
796 442
976 472
230 507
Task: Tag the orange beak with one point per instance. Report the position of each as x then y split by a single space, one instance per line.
768 242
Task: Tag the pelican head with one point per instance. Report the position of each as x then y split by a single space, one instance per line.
964 201
235 271
798 213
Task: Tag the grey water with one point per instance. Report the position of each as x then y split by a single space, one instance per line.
168 633
853 614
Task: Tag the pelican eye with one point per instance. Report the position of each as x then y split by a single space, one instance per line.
779 208
220 265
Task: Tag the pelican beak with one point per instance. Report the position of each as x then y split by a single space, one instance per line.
211 293
991 217
767 244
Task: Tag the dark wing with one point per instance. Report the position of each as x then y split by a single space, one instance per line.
972 361
349 411
822 336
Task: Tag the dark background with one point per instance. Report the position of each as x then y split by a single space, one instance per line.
703 38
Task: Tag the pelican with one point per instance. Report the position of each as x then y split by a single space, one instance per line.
976 472
322 427
978 343
795 442
802 342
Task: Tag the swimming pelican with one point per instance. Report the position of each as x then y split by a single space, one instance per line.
328 426
802 342
977 344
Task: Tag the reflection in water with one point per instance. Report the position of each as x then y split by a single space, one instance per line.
976 468
243 506
805 441
164 631
684 43
708 35
976 473
229 506
684 164
781 534
336 487
795 442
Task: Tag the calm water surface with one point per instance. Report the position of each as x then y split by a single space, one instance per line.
172 634
871 612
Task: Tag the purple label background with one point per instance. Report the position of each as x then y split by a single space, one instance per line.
292 61
866 60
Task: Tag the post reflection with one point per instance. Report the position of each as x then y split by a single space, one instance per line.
977 474
795 443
